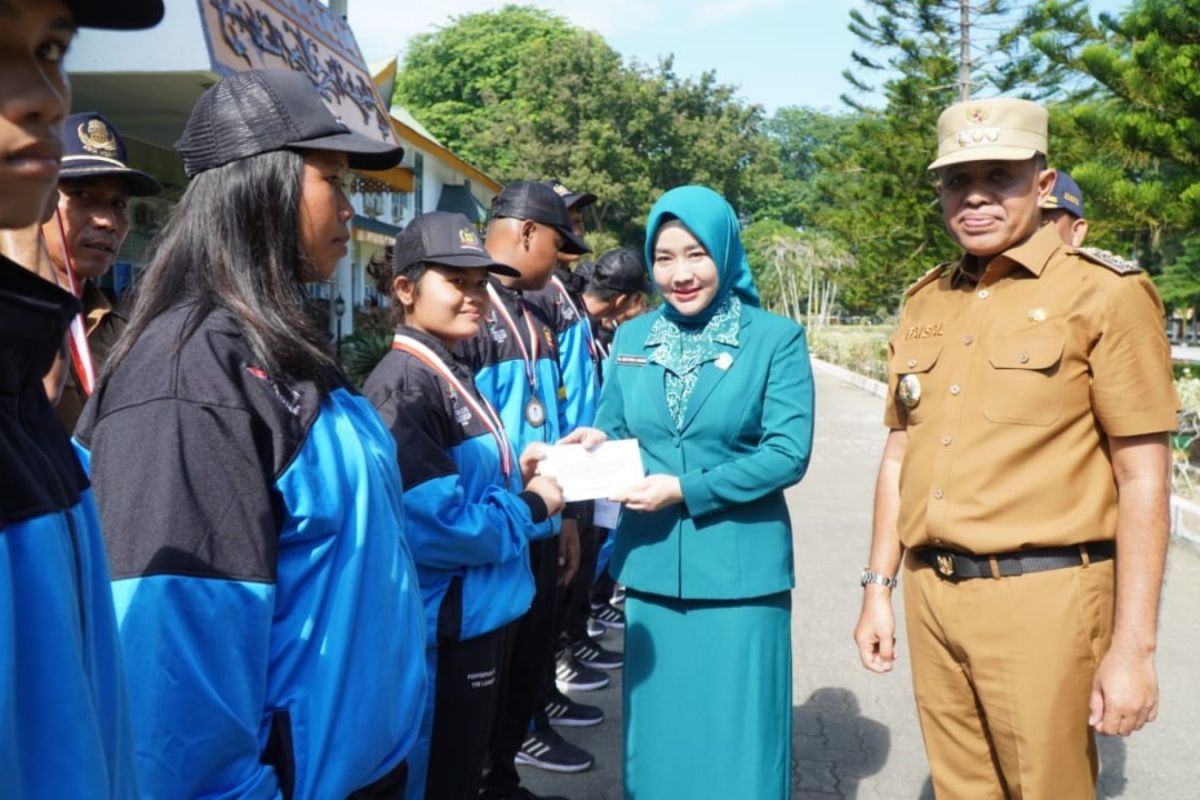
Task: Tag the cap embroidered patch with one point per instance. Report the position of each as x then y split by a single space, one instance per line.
97 138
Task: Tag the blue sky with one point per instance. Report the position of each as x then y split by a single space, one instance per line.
779 52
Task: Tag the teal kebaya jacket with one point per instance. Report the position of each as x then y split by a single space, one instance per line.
746 436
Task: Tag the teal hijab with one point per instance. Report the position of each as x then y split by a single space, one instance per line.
712 221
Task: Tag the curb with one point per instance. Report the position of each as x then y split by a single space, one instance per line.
1179 506
861 381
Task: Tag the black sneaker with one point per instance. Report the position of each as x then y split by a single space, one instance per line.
590 654
549 751
609 616
570 675
562 710
595 628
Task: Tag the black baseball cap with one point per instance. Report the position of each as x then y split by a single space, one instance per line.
446 239
538 202
117 15
92 148
571 199
264 110
621 270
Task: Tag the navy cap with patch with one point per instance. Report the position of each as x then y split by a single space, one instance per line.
446 239
536 201
92 148
1066 195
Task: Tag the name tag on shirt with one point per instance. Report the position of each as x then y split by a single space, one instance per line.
632 361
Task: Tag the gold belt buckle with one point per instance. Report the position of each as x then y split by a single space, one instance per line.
945 565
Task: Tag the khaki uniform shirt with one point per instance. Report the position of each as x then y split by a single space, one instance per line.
103 324
1022 377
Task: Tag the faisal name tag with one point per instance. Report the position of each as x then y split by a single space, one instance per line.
632 361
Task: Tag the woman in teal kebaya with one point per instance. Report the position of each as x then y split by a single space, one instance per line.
719 394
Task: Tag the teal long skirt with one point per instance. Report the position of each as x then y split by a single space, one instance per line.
708 698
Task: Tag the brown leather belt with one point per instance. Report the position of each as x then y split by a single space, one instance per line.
953 566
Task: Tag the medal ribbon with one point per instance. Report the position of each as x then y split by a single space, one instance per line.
81 352
587 326
482 408
530 359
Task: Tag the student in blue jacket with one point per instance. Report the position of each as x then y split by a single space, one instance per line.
471 506
719 395
64 723
267 602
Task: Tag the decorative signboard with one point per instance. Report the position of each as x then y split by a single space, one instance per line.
303 35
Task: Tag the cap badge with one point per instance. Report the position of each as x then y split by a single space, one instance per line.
977 134
909 391
1037 314
97 138
561 190
977 114
468 238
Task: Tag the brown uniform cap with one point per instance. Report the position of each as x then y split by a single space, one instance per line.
995 129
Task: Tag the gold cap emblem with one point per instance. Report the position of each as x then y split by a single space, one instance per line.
467 236
561 190
98 138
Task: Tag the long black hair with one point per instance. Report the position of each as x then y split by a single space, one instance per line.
233 242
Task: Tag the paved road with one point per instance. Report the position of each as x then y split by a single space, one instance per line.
855 734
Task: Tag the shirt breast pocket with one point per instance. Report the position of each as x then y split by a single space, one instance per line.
912 364
1021 387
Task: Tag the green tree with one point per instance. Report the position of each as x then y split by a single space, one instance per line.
872 189
1132 124
542 98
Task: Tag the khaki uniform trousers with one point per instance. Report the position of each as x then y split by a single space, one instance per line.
1002 672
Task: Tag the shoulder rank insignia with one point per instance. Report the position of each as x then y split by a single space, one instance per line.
1110 260
928 277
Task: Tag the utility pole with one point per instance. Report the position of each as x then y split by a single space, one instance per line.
964 67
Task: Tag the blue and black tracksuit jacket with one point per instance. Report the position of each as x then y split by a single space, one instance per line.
468 527
266 599
64 724
577 363
500 372
580 394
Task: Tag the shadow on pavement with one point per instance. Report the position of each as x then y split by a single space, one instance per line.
833 746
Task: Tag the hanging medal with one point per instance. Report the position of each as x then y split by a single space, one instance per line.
535 411
477 403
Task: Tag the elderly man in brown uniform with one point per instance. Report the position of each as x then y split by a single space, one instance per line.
1030 400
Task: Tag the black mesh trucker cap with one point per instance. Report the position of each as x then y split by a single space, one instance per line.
571 199
264 110
117 15
446 239
538 202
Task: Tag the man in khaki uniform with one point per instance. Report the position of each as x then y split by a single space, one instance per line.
85 235
1030 400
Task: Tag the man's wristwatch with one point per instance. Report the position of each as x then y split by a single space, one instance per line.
882 580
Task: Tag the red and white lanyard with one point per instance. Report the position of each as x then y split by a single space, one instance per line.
587 325
482 408
81 352
530 355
